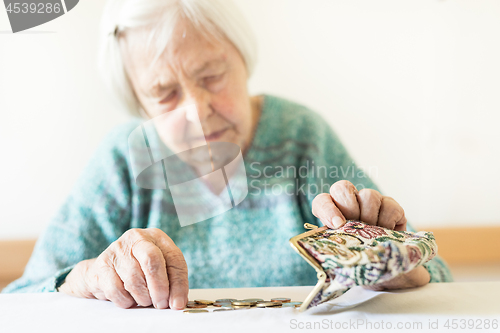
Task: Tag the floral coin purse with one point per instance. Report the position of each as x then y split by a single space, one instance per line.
358 254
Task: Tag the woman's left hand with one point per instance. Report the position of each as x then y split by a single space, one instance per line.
345 202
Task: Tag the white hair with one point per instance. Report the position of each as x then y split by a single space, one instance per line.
218 18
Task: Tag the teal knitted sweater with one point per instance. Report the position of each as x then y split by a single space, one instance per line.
294 156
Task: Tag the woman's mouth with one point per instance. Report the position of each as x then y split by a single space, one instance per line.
215 135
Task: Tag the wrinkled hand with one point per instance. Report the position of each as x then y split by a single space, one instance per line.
142 267
345 202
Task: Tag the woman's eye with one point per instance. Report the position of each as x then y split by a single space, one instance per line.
213 78
170 97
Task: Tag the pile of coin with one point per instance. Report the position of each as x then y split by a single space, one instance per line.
226 304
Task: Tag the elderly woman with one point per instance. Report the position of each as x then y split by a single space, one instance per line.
114 240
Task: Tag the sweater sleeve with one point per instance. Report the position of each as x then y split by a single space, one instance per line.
96 212
330 154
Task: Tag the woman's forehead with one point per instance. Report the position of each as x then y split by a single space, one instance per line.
188 49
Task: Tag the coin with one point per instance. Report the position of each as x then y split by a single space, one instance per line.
195 305
267 304
253 300
281 299
220 304
225 304
223 309
195 311
291 305
203 301
225 300
243 303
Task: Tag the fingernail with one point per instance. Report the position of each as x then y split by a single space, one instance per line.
179 303
162 304
337 222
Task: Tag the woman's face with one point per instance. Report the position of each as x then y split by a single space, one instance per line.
194 69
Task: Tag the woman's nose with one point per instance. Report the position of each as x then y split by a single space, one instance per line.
201 100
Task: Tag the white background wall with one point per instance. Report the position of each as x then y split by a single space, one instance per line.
411 87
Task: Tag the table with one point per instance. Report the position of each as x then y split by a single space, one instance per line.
432 305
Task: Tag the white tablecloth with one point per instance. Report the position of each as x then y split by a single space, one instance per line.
358 310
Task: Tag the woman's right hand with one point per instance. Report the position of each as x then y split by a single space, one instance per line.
142 267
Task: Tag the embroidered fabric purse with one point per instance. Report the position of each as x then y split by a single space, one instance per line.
358 254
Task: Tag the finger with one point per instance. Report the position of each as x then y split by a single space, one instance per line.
134 281
92 285
369 205
176 269
391 215
153 266
100 295
178 275
401 224
112 287
89 281
324 208
344 193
